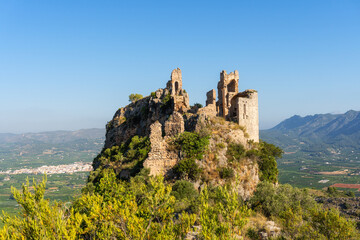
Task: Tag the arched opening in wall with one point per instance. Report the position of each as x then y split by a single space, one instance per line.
232 86
176 87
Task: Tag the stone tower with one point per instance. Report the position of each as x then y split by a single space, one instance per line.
175 83
227 88
174 86
240 107
244 108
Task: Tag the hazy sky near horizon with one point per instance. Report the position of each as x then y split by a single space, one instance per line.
67 65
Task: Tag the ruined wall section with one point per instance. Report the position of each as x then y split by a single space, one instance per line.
136 118
211 97
175 83
234 106
227 87
210 108
159 159
248 113
180 96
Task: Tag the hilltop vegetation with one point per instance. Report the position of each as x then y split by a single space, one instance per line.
139 206
144 208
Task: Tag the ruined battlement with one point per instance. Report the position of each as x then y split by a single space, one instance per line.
240 107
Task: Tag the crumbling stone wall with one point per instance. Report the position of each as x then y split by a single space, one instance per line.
227 87
159 159
175 83
180 96
211 97
166 113
234 106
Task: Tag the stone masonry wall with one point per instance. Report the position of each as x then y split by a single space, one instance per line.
159 160
248 113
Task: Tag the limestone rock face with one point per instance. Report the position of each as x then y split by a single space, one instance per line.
166 113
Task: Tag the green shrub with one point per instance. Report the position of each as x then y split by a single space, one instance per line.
198 105
330 224
135 97
332 191
187 169
266 155
220 145
183 189
253 234
226 173
187 197
235 152
273 200
350 193
223 218
130 155
299 215
192 144
166 102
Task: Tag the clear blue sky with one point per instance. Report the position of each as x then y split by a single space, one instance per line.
71 64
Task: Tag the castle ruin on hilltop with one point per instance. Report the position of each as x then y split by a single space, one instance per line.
166 113
240 107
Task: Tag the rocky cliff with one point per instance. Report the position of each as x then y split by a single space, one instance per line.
163 133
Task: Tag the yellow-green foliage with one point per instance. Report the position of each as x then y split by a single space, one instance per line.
192 144
117 210
299 216
140 209
40 219
225 217
130 156
135 97
264 153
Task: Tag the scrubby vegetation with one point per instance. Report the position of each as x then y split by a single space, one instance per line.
192 146
121 200
187 169
140 209
299 216
149 208
129 158
265 154
135 97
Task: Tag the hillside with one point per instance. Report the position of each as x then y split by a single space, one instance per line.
49 148
341 130
164 134
317 144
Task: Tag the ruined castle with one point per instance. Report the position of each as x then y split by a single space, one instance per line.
166 113
240 107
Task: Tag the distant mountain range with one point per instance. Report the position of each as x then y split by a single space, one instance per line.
53 147
53 136
324 133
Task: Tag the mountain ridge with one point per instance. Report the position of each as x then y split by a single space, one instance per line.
317 133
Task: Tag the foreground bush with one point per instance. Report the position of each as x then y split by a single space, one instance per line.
299 215
140 209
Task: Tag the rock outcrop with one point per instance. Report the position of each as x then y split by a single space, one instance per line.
166 113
